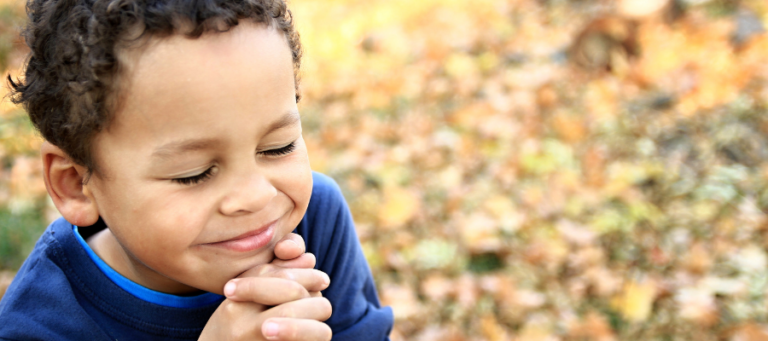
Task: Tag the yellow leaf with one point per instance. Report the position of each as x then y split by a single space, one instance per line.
400 205
460 66
499 205
641 8
536 332
491 329
636 300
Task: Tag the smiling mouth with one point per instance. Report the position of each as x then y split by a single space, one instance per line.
249 241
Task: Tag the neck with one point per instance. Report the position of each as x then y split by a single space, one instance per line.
109 249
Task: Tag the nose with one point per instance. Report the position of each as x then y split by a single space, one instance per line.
251 195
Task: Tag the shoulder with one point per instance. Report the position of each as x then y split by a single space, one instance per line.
327 203
327 226
41 294
324 189
41 259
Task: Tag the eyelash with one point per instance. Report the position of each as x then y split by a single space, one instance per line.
192 180
280 151
196 178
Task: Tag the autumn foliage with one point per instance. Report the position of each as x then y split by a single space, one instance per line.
523 169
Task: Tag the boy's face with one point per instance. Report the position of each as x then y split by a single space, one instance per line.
203 168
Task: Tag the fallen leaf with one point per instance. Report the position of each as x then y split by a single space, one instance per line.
400 205
402 299
697 304
594 327
437 287
491 329
636 300
750 332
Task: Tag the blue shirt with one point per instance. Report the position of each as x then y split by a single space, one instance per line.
61 293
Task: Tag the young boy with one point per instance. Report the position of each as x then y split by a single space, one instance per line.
174 154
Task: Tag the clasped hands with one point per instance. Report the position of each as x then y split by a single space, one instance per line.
276 301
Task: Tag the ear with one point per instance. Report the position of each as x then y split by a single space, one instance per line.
64 182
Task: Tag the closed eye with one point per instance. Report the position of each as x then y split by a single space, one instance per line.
280 151
192 180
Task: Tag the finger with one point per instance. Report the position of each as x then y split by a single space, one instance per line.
290 247
313 308
234 321
315 294
288 329
259 270
305 261
264 290
310 279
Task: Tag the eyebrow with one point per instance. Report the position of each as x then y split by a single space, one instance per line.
189 145
178 147
289 118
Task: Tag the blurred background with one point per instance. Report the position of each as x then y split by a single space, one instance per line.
521 169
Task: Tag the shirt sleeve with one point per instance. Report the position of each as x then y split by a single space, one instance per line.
330 235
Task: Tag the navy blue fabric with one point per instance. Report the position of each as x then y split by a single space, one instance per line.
60 294
144 293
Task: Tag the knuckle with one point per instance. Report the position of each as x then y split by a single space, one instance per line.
261 270
284 274
297 290
237 334
265 269
257 269
230 308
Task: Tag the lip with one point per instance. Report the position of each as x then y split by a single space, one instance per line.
248 241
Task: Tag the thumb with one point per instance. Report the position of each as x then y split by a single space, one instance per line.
290 247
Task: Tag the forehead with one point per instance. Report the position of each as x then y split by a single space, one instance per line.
167 72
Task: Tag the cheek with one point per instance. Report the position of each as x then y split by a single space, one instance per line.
179 215
297 180
167 221
293 178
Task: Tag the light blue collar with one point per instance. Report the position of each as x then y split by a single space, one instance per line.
143 293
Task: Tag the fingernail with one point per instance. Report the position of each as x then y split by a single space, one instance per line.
271 330
229 289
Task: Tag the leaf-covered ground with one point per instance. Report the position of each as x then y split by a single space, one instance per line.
524 169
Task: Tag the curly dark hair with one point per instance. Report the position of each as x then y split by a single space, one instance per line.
71 78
